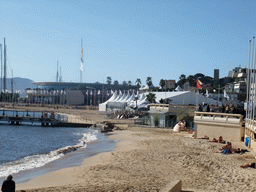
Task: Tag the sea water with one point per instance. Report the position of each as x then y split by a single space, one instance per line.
29 151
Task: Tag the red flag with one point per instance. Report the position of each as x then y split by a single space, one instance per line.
198 84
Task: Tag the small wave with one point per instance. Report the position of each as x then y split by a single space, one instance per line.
36 161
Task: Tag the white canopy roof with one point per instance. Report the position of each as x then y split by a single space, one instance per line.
178 88
121 98
118 97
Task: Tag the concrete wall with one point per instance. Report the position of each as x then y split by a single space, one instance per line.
160 107
75 97
175 109
229 126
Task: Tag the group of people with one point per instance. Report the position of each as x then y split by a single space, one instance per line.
220 109
228 149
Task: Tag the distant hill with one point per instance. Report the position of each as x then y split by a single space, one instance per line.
19 84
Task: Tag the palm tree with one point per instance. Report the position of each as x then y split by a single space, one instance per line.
182 79
151 97
138 82
149 81
129 83
109 80
116 82
124 83
162 83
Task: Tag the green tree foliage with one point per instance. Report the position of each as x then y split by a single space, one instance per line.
129 83
162 83
138 82
199 76
182 79
149 81
116 82
192 81
109 80
125 84
151 97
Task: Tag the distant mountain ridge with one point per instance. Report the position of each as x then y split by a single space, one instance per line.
19 84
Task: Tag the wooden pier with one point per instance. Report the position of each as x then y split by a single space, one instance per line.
17 117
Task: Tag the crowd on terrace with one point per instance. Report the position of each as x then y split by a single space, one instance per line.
220 109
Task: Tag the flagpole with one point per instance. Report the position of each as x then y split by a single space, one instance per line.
248 77
251 82
197 99
1 69
91 101
254 77
102 94
253 86
87 98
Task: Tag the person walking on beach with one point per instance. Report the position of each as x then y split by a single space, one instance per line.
8 185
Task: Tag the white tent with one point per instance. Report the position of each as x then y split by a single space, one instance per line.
176 98
126 98
103 106
144 87
142 97
121 98
184 98
178 88
118 97
113 97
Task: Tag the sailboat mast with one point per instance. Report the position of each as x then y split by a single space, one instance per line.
4 66
57 75
1 68
82 61
60 77
12 86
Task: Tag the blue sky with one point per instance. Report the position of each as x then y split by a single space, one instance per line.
125 40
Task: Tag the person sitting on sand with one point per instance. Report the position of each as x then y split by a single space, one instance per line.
220 139
252 165
227 149
231 148
224 147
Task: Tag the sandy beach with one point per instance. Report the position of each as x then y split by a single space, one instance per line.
147 159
